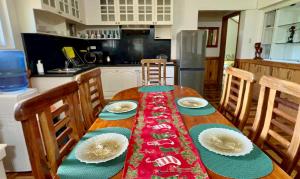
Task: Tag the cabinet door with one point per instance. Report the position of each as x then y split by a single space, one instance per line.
126 12
108 9
50 5
115 80
64 7
75 13
145 12
164 12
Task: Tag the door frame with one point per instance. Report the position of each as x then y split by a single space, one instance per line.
223 44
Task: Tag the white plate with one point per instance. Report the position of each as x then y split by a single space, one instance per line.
102 148
225 142
192 102
121 107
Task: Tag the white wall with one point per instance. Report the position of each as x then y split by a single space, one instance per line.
186 13
251 24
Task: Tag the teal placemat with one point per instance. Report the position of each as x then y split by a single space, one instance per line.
209 109
105 115
71 168
256 164
147 89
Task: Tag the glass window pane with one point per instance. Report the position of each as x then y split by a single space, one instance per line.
46 2
122 1
160 10
61 6
111 9
148 17
167 10
110 2
122 9
130 17
66 1
141 9
67 9
73 12
73 3
167 2
149 2
111 17
130 2
52 3
104 17
160 17
141 17
77 14
103 9
130 9
167 17
103 2
76 4
160 2
123 17
149 9
141 1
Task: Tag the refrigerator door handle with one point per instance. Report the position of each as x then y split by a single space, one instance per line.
192 69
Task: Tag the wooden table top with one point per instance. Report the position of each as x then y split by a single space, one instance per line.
189 121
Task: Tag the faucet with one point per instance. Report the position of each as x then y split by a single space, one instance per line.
67 63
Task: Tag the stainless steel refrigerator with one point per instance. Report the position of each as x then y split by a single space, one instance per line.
191 46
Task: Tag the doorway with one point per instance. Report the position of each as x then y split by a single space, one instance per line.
229 43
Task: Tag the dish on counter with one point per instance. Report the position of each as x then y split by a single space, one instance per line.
192 102
225 142
102 148
121 107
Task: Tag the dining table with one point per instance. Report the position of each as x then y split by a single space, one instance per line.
189 122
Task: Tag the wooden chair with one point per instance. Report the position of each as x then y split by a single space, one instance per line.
91 95
237 95
50 132
154 75
276 128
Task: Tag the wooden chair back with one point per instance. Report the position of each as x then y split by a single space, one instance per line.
237 95
275 127
91 95
52 126
153 73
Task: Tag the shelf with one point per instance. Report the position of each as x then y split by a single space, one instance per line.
284 43
57 35
294 23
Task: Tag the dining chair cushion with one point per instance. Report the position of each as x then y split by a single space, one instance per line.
105 115
148 89
207 110
256 164
73 168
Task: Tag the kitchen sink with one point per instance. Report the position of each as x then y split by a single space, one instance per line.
64 70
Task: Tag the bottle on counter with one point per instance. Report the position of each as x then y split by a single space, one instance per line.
108 59
40 67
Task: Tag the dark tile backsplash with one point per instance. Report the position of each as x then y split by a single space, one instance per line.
133 46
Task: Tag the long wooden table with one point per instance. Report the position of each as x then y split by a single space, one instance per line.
189 121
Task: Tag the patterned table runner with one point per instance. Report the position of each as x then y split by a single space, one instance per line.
160 146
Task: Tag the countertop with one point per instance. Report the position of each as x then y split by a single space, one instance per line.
89 68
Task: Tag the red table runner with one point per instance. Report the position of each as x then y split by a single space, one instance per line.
160 146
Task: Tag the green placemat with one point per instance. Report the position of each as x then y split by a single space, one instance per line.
105 115
209 109
71 168
147 89
256 164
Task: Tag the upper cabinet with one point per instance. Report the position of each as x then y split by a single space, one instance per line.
164 11
129 12
67 8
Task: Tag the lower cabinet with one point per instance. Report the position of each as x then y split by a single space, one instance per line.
114 79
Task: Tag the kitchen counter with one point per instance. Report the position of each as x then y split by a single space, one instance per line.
89 68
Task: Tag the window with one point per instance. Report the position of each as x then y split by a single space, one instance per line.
6 37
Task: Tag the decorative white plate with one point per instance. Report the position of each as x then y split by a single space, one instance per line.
102 148
225 142
192 102
121 107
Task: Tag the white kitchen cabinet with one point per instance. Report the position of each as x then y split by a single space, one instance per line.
50 5
145 12
163 12
162 32
108 12
126 12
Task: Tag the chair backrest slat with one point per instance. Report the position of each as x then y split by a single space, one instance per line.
276 124
91 95
51 126
236 95
153 73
